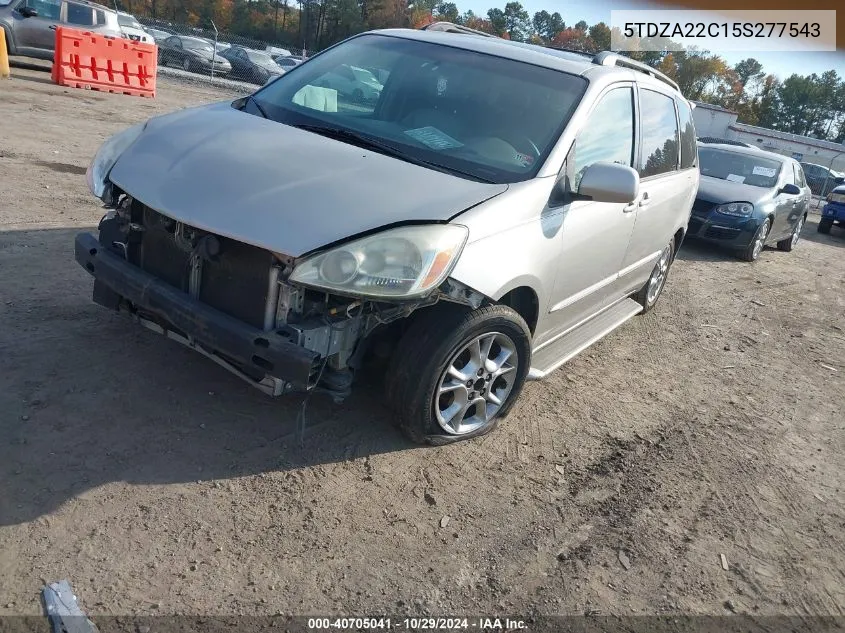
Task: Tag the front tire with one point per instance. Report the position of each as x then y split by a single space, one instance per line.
758 242
824 225
789 243
649 294
456 372
186 64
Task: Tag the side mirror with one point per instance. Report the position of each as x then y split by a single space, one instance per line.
609 182
790 189
28 12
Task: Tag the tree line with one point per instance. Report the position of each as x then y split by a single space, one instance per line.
811 105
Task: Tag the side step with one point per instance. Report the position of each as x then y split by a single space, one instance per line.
554 354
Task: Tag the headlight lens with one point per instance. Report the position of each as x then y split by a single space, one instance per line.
107 156
741 209
836 197
399 263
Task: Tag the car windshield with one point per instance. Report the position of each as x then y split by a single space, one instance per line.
196 44
758 171
483 117
257 57
128 20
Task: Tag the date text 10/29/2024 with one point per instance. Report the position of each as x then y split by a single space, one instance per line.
417 624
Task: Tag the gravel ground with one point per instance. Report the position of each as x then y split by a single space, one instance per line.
158 483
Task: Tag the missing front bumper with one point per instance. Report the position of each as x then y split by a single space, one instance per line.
206 329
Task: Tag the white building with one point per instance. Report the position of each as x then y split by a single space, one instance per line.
712 120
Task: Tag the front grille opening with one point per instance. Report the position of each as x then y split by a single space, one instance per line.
234 281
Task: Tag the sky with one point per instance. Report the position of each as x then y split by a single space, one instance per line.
592 11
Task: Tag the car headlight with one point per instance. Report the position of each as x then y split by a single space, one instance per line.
398 263
107 156
741 209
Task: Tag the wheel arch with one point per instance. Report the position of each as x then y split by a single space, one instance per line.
525 301
11 48
679 238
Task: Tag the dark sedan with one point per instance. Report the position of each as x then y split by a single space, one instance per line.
251 65
747 199
192 54
821 179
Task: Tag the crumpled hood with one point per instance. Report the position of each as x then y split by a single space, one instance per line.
278 187
718 191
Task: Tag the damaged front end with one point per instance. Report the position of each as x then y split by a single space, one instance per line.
281 323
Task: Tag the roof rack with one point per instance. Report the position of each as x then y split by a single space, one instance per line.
448 27
609 58
570 50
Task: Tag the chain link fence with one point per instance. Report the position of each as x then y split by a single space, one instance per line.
226 60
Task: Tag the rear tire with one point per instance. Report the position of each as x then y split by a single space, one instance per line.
824 225
758 242
649 294
456 372
789 243
186 64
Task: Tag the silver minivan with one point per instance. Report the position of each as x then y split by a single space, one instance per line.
498 208
30 25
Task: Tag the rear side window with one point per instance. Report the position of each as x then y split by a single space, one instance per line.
659 134
80 14
689 148
608 135
100 15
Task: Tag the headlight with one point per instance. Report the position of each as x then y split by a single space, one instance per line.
836 197
741 209
107 156
399 263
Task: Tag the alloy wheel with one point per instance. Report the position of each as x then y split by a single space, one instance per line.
476 383
797 233
760 240
658 276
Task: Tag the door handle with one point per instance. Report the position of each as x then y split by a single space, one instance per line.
644 201
629 207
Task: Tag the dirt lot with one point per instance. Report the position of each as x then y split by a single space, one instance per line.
158 483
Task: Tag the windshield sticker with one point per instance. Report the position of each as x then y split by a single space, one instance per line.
764 171
735 178
526 160
433 138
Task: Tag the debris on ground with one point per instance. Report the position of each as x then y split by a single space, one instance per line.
724 561
63 611
444 521
623 558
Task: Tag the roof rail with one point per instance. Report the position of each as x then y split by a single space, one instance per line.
609 58
569 50
449 27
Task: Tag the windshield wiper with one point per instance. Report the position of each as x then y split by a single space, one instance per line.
368 142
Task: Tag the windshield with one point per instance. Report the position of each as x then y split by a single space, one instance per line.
128 20
489 118
196 45
257 57
758 171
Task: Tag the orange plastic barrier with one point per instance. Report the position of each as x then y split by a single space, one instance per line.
88 60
